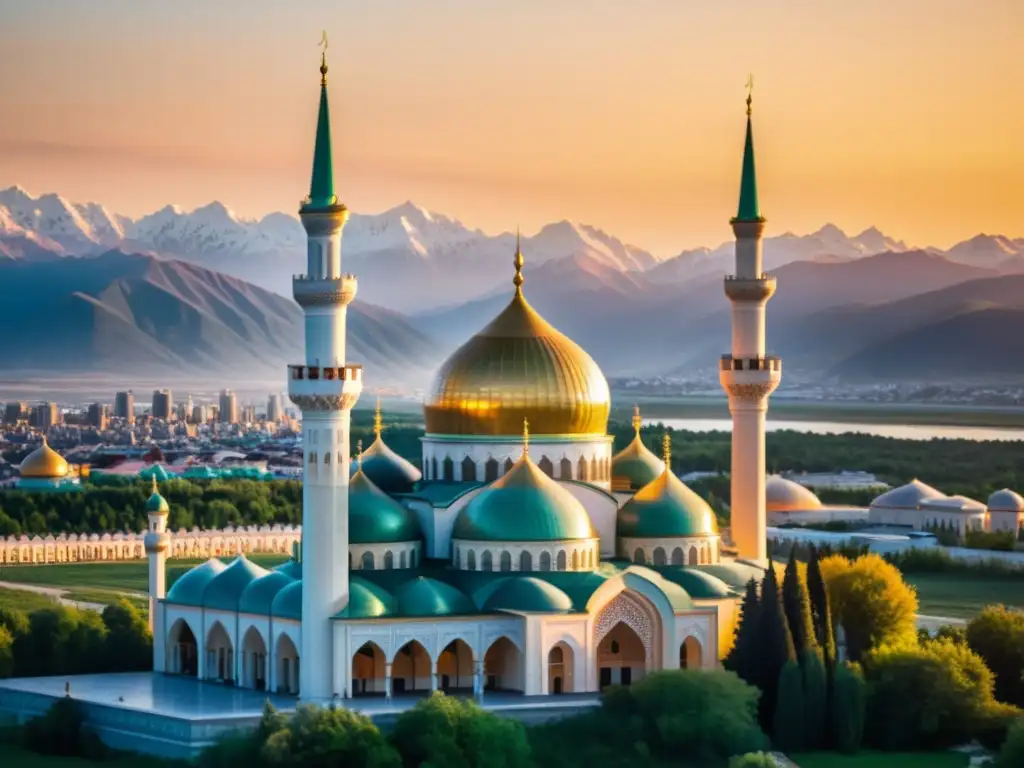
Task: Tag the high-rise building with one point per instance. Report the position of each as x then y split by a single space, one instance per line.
186 409
228 412
747 374
163 404
45 415
124 406
199 414
247 414
97 416
325 389
274 408
15 413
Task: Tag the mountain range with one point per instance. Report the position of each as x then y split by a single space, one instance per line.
848 306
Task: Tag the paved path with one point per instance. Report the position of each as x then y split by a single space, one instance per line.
932 623
56 593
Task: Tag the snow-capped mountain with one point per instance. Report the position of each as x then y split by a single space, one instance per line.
989 251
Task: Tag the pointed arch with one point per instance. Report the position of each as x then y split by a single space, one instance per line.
287 660
220 654
638 556
487 561
565 469
582 470
449 469
468 470
411 668
690 654
503 666
471 560
508 465
545 561
659 556
677 556
505 561
575 560
389 561
455 667
560 560
182 649
694 560
433 468
490 470
368 669
546 466
367 561
593 469
254 660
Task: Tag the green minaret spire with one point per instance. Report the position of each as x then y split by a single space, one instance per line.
749 209
321 188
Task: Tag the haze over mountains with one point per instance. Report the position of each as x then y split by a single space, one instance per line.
867 306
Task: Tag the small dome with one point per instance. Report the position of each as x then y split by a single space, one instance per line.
376 518
288 602
292 568
226 588
699 585
666 509
907 496
367 601
189 588
157 504
386 469
428 597
1005 501
784 495
44 463
735 573
524 505
635 465
259 596
528 594
157 471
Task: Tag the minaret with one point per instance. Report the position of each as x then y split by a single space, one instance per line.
156 542
325 389
747 374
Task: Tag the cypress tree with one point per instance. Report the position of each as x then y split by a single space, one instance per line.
744 657
788 731
821 614
776 645
815 699
848 703
797 605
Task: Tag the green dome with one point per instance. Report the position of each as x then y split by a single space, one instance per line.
291 568
527 593
259 596
189 588
635 466
367 601
288 602
428 597
666 509
225 589
376 518
699 585
735 573
524 505
387 470
157 471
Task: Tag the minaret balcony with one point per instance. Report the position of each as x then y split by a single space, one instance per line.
324 292
763 363
750 288
325 388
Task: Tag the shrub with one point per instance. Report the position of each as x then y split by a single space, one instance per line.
60 732
6 652
753 760
1012 753
870 601
316 737
849 699
997 635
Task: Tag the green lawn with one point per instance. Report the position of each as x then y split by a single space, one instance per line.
17 600
881 760
131 576
106 597
962 596
15 757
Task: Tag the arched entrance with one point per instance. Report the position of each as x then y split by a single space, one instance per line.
455 667
690 654
621 657
561 660
410 669
220 656
503 666
628 634
368 670
287 666
254 660
182 650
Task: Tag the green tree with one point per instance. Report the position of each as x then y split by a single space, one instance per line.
753 760
317 737
848 704
744 656
6 652
446 732
788 731
815 699
997 635
821 614
797 605
1012 753
128 645
776 645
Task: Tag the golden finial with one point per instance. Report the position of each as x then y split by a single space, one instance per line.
637 421
526 438
666 450
378 420
750 92
517 281
154 482
359 454
323 58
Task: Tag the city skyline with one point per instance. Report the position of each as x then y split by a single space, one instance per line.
905 120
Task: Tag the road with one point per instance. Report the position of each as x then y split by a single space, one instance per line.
55 592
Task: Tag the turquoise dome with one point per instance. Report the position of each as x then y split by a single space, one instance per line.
288 602
387 470
527 593
189 588
226 588
376 518
635 466
735 573
367 601
666 509
259 596
524 505
699 585
428 597
157 471
291 568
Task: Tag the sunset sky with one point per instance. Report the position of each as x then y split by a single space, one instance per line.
905 114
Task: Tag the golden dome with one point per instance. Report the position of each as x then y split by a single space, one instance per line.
519 366
44 462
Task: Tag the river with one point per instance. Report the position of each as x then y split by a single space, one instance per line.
899 431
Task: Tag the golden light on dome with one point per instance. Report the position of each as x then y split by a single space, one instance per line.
44 462
518 367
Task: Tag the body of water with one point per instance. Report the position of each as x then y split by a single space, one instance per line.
900 431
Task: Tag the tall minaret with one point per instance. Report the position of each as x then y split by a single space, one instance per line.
156 542
747 374
325 389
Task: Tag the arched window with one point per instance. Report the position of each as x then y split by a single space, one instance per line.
677 556
433 468
693 556
468 470
545 561
593 470
506 561
389 561
490 470
546 466
659 556
566 469
561 560
638 556
525 562
486 561
590 560
471 560
402 559
581 470
575 560
449 469
367 561
703 555
508 465
412 558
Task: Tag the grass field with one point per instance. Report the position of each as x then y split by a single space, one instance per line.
15 757
882 760
16 600
125 577
963 596
106 597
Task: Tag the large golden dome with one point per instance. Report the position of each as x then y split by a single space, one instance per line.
44 462
518 367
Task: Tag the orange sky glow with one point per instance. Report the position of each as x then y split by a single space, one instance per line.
905 114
